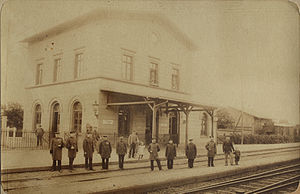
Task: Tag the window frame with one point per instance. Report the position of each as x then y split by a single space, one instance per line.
204 125
175 68
154 68
57 70
79 115
79 68
39 74
124 65
37 115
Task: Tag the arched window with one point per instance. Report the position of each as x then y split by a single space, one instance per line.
77 117
204 125
37 115
55 123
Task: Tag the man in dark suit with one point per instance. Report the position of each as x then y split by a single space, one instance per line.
228 149
105 151
191 153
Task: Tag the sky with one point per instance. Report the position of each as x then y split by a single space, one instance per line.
247 57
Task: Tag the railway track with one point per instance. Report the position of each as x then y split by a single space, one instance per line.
21 181
264 182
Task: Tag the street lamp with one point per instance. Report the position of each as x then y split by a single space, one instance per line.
95 108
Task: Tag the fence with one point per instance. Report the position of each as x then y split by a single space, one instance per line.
12 139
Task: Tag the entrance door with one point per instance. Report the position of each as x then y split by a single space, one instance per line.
148 130
173 127
123 121
55 118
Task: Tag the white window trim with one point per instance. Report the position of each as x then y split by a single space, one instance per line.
177 67
38 75
56 77
154 60
131 54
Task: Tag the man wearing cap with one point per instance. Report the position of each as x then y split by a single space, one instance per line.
153 149
72 147
88 148
170 153
56 146
39 132
105 151
228 149
121 150
132 142
191 153
89 128
211 151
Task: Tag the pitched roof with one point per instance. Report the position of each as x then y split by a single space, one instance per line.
99 14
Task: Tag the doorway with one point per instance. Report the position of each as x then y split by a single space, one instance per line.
123 121
148 130
55 118
173 127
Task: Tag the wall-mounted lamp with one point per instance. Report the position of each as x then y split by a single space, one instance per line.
95 108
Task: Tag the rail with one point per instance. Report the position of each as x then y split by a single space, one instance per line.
13 139
267 174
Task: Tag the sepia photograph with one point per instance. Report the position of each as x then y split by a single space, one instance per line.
150 96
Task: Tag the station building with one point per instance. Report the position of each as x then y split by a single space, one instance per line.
118 71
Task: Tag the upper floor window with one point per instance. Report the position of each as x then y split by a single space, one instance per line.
39 74
127 67
57 70
78 69
175 78
154 73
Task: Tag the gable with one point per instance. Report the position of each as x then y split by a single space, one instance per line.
101 14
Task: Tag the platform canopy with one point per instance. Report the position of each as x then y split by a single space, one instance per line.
160 102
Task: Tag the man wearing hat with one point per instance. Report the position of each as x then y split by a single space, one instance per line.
39 132
153 149
89 128
228 149
121 150
88 148
72 147
105 151
191 153
211 151
56 146
170 153
132 142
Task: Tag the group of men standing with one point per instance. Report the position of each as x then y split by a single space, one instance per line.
211 147
71 144
105 150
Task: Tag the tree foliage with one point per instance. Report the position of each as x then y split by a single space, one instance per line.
14 113
225 120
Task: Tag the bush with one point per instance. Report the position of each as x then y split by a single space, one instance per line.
259 139
297 139
14 113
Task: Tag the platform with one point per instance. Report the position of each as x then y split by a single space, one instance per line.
37 159
135 181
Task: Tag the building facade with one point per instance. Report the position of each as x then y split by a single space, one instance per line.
118 71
